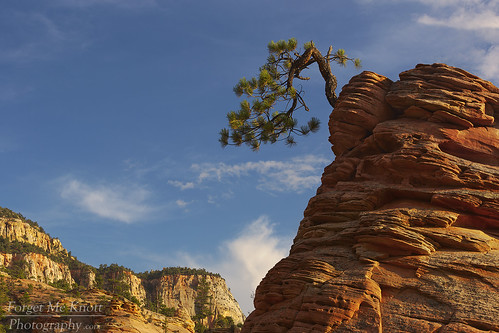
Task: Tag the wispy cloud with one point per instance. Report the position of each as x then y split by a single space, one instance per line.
476 15
463 33
181 203
246 259
489 65
37 37
242 261
115 202
297 175
181 185
255 250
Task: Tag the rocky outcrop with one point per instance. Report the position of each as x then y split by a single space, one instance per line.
49 263
180 291
136 287
84 277
38 267
42 269
15 229
402 235
27 252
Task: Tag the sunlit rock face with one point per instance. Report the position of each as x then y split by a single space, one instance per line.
14 229
39 267
180 291
402 235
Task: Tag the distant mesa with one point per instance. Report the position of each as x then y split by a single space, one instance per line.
402 235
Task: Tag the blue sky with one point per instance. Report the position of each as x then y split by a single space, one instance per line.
111 110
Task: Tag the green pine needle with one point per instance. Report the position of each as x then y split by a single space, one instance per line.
268 114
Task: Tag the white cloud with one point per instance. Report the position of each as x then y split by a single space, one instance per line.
478 24
254 251
465 19
297 174
447 3
181 203
242 261
462 33
462 14
489 65
245 260
114 202
249 257
181 185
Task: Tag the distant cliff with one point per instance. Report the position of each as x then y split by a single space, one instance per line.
27 252
181 290
30 253
173 287
17 229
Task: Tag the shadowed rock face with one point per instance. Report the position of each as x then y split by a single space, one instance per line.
402 235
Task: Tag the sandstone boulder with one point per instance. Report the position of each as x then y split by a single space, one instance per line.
403 234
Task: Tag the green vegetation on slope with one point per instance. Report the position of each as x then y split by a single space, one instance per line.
16 247
111 278
7 213
152 275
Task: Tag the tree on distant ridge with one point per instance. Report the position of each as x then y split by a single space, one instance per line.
259 121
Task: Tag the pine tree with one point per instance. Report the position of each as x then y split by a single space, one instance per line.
202 302
274 98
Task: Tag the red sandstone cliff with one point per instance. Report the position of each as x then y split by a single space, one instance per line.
402 235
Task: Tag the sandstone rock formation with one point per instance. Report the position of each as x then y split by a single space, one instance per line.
28 252
15 229
40 267
136 286
84 277
181 291
92 311
402 235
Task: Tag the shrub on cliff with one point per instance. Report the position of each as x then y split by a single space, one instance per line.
111 278
167 311
17 269
7 213
151 275
16 247
224 322
202 302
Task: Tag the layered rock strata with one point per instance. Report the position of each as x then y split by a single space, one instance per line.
14 229
39 267
402 235
180 291
50 263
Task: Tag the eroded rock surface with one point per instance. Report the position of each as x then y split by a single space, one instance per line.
180 291
15 229
403 234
